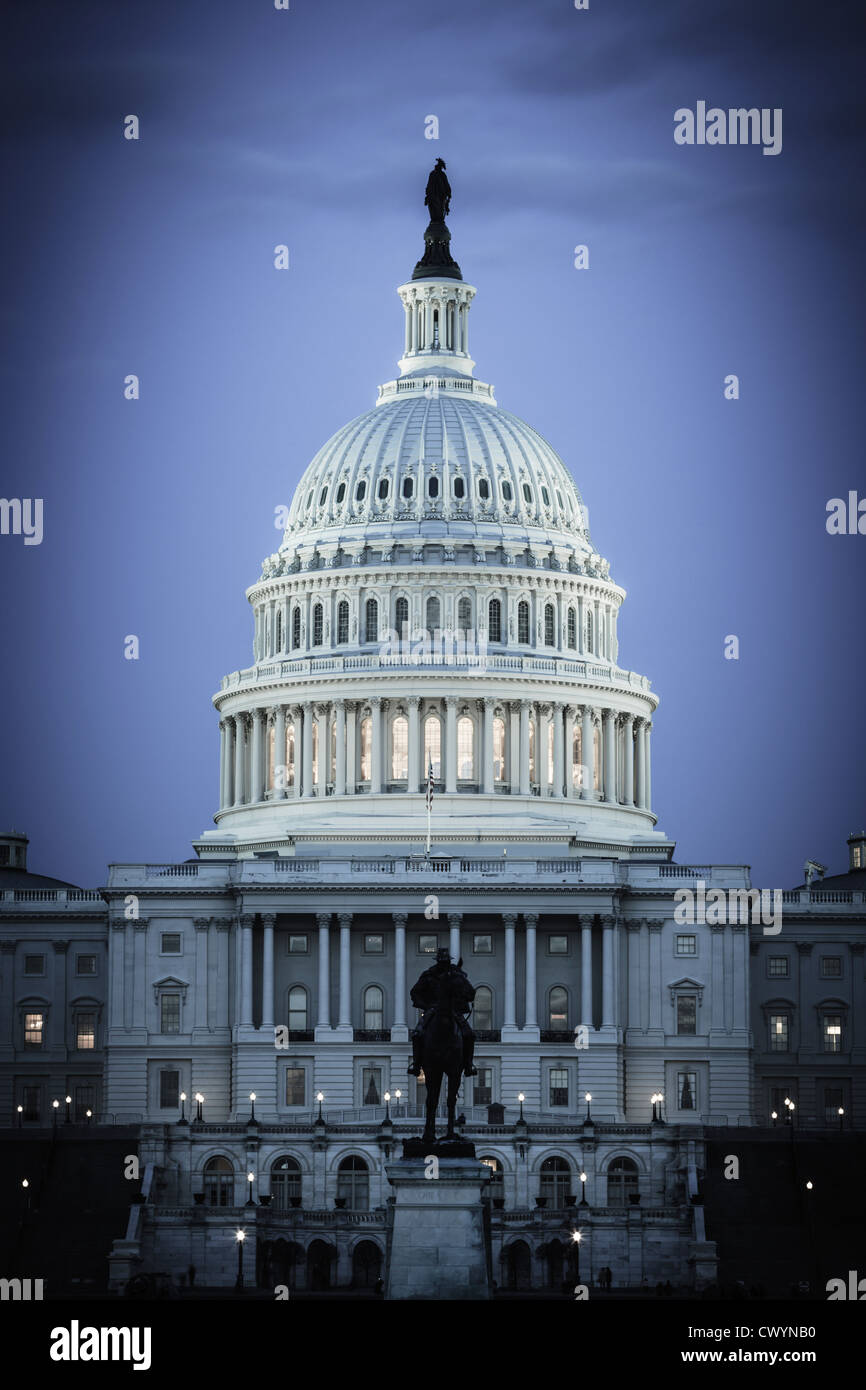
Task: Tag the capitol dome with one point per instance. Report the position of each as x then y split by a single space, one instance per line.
436 619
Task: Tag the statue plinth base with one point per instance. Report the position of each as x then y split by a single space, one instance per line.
441 1148
439 1238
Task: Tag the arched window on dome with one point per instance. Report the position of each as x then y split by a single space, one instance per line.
545 496
433 746
507 494
464 614
361 491
483 489
296 627
318 624
298 1010
323 496
571 627
279 630
401 618
433 486
342 622
434 615
371 620
559 500
523 622
408 489
549 625
374 1015
498 749
400 749
341 493
527 494
458 488
382 489
494 620
365 749
589 643
465 749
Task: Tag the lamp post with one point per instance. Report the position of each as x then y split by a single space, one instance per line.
577 1238
319 1118
397 1095
657 1099
521 1097
55 1105
88 1115
251 1177
583 1201
588 1099
68 1110
20 1110
252 1119
240 1236
199 1101
25 1187
841 1114
183 1120
387 1107
774 1115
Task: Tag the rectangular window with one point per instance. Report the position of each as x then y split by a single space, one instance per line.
169 943
833 1103
777 967
85 1032
169 1090
298 945
371 1086
687 1090
558 1086
557 945
687 945
428 945
832 1033
482 945
169 1013
374 945
85 1099
831 967
296 1086
34 965
687 1013
30 1099
483 1092
85 965
778 1032
34 1026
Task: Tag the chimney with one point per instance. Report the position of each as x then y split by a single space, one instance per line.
813 872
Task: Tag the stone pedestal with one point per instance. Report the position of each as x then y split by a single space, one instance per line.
439 1240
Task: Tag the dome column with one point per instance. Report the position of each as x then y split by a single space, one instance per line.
542 750
524 748
340 735
413 777
450 745
558 763
228 797
587 754
307 760
222 763
569 750
323 749
239 760
375 745
628 760
609 733
256 757
281 776
487 753
640 741
351 753
648 767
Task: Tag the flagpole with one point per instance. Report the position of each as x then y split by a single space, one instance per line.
429 802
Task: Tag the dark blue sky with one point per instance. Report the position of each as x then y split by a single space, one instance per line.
260 127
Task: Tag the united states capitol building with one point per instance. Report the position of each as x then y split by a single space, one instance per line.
436 616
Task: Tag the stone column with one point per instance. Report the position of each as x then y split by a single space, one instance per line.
323 921
116 963
586 970
202 927
454 920
296 716
607 973
655 937
399 919
487 746
450 744
281 778
587 753
307 759
628 759
717 987
375 744
222 763
648 772
509 1019
640 790
246 925
345 1015
514 755
351 747
634 974
229 797
324 749
524 748
268 971
542 746
531 1012
609 731
414 705
256 757
569 750
559 766
340 728
239 760
740 954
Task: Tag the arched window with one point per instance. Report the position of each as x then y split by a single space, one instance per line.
465 752
297 1009
507 494
371 620
323 496
549 625
408 488
434 612
400 749
497 1177
374 1007
285 1182
366 748
555 1182
433 746
527 494
382 490
523 622
401 616
483 489
557 1009
498 750
572 629
621 1181
296 628
279 630
482 1009
494 620
341 493
219 1182
464 614
458 488
353 1183
342 622
361 491
318 623
545 497
589 644
433 486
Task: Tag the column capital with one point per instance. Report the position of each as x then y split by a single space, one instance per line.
608 921
399 918
269 919
655 927
633 924
222 923
509 919
201 923
455 918
323 919
118 923
530 919
413 701
344 919
245 919
586 919
61 947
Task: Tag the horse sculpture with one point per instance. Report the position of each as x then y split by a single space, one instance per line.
442 1052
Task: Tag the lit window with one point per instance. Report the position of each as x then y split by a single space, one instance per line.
778 1032
687 945
366 749
374 1005
687 1013
482 945
297 1009
400 749
169 1013
855 857
558 1086
297 945
374 945
428 945
832 1033
498 750
465 757
432 746
778 966
85 1032
34 1025
558 1009
170 944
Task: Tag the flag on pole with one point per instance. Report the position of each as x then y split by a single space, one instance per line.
429 799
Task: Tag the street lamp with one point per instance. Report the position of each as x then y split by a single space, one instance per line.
199 1101
387 1107
577 1238
89 1115
55 1104
588 1099
68 1110
240 1236
25 1186
809 1185
320 1097
657 1099
183 1120
20 1110
774 1117
397 1095
252 1119
521 1097
840 1112
583 1201
251 1177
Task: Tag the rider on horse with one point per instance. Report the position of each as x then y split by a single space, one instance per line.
427 995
